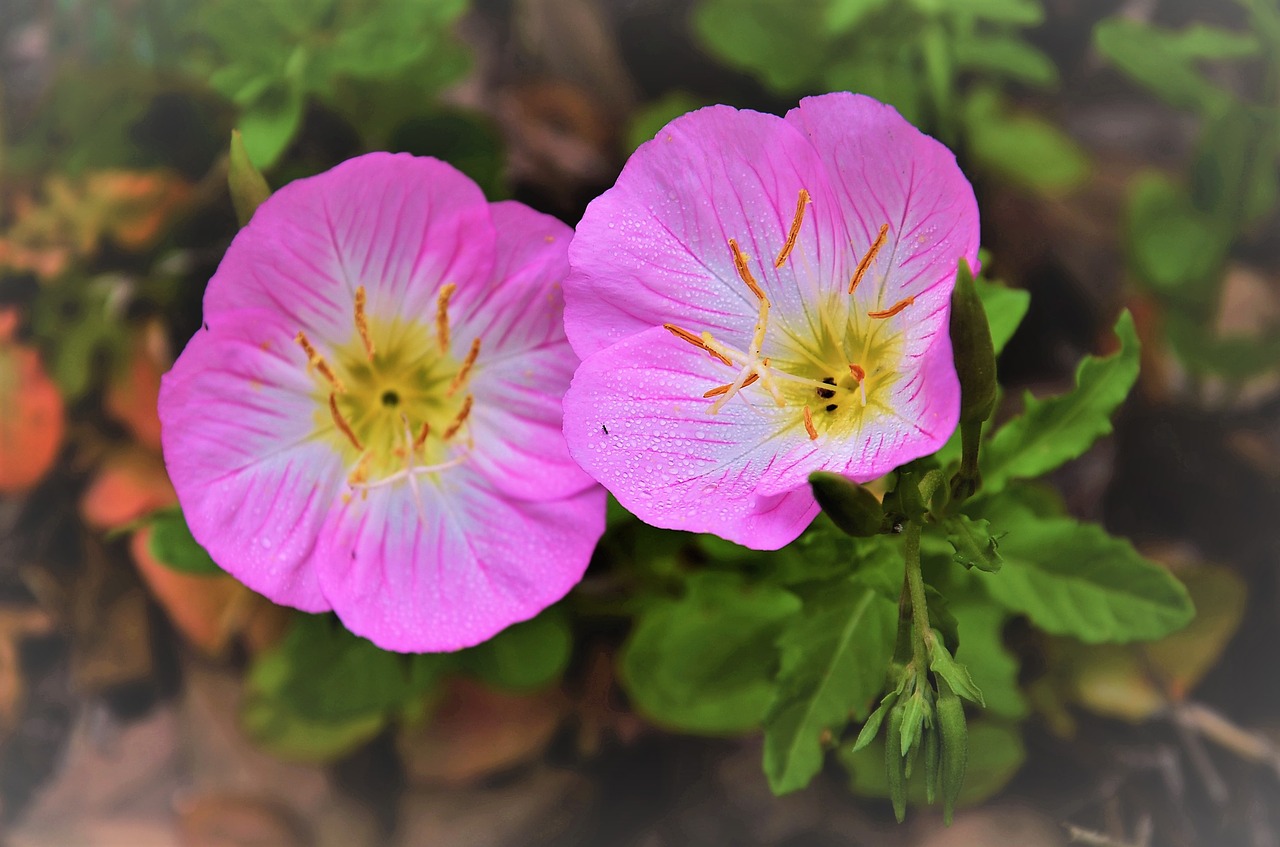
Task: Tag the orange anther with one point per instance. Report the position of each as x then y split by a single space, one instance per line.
314 359
795 229
362 322
341 423
894 309
463 372
869 258
744 272
361 472
724 389
808 424
422 436
686 335
442 314
460 419
858 373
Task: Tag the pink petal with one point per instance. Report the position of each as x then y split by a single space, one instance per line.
635 419
654 248
467 565
237 415
399 225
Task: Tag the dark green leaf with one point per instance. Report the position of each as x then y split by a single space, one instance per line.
524 655
1164 61
652 117
834 658
1058 429
706 662
775 43
172 545
1018 12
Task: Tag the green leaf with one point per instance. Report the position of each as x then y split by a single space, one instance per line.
993 669
1164 61
1022 146
1005 55
1072 578
834 658
1176 250
1017 12
843 15
705 663
466 140
889 76
652 117
1204 352
286 734
172 545
974 543
995 754
774 42
1005 308
269 124
1058 429
956 674
525 655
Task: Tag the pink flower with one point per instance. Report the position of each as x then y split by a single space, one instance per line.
758 298
370 419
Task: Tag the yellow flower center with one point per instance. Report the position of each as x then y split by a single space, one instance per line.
393 397
839 377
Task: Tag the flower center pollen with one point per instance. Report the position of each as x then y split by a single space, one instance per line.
836 378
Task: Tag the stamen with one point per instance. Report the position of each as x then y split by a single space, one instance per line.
858 373
442 314
362 322
686 335
361 472
341 423
894 309
869 258
408 473
723 389
460 419
808 424
315 360
795 229
422 436
744 272
461 376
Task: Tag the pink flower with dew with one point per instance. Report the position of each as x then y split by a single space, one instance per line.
370 419
758 298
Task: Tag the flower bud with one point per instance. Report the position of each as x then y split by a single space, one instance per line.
247 185
975 355
852 508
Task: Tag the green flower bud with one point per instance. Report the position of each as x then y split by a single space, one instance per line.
975 355
955 747
894 764
850 506
247 185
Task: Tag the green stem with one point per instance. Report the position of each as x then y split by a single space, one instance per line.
922 638
968 478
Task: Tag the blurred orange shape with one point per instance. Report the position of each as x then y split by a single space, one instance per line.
207 610
137 205
130 483
132 395
31 419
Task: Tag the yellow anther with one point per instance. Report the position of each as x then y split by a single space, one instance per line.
808 424
686 335
795 229
460 419
892 310
744 272
442 314
341 423
463 372
869 258
362 322
724 389
315 360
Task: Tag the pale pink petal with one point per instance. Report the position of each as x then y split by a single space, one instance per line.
238 431
654 248
459 568
525 362
635 419
397 224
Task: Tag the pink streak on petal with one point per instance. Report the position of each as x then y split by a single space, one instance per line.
399 225
654 248
476 565
237 426
635 420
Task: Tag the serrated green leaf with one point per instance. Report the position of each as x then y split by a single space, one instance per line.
1055 430
1072 578
525 655
172 545
834 658
995 754
956 674
1005 55
974 543
1022 146
993 669
705 662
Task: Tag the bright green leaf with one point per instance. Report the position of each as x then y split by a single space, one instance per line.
1022 146
834 658
171 545
776 43
524 655
974 543
993 669
1005 55
1017 12
269 124
705 662
843 15
1176 250
1058 429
